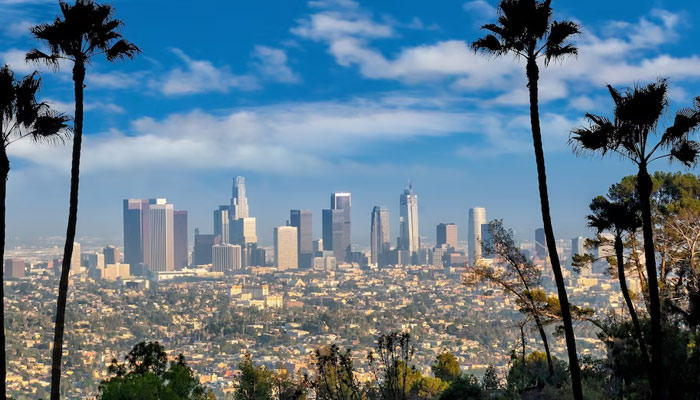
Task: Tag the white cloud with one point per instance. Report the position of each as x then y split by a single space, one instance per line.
199 76
272 64
19 28
480 8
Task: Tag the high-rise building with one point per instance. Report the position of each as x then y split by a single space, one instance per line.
221 224
112 255
317 245
202 248
286 247
578 246
301 219
343 247
14 268
541 251
180 242
477 218
408 221
226 258
334 233
380 239
239 201
133 230
243 231
76 266
447 234
161 226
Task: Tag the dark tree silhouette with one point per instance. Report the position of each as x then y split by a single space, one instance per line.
526 30
86 30
620 216
21 116
631 135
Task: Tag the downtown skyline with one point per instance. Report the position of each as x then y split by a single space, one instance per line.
301 120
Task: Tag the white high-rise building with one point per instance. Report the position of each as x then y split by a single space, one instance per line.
477 218
161 231
239 201
286 256
408 221
75 260
244 231
226 258
578 246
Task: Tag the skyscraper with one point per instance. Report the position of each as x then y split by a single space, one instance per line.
380 239
112 255
477 218
342 201
286 248
408 221
221 224
239 201
14 268
578 246
447 234
334 233
180 242
243 231
75 260
540 244
203 244
133 231
226 258
161 226
301 219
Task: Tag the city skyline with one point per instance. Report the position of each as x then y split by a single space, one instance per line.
335 122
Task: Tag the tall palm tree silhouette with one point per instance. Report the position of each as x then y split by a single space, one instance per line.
631 135
619 216
87 30
526 30
21 117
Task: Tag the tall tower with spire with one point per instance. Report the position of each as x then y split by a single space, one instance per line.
239 203
408 218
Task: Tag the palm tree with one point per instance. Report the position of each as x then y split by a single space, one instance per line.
21 116
631 135
526 30
87 30
619 217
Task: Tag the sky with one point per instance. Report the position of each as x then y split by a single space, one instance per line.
309 98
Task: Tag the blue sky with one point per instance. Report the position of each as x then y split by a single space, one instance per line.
307 98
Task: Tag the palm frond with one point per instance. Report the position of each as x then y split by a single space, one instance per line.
122 50
597 137
687 120
489 45
556 45
686 152
51 127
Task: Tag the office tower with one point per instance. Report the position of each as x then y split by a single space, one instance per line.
334 233
408 221
477 217
487 245
438 254
578 246
180 242
342 201
541 251
14 268
226 258
202 247
301 219
447 234
259 257
286 247
133 231
239 201
95 260
221 224
317 245
161 231
243 231
75 260
111 255
380 239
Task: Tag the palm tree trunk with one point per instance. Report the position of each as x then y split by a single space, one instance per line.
545 343
4 170
78 79
628 300
644 186
533 77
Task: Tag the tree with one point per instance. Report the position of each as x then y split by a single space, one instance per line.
290 389
86 31
531 374
526 29
466 387
630 135
394 353
148 375
446 367
490 382
21 116
254 383
619 216
517 275
335 375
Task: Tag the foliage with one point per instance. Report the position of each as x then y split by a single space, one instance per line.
466 387
147 375
446 367
254 383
